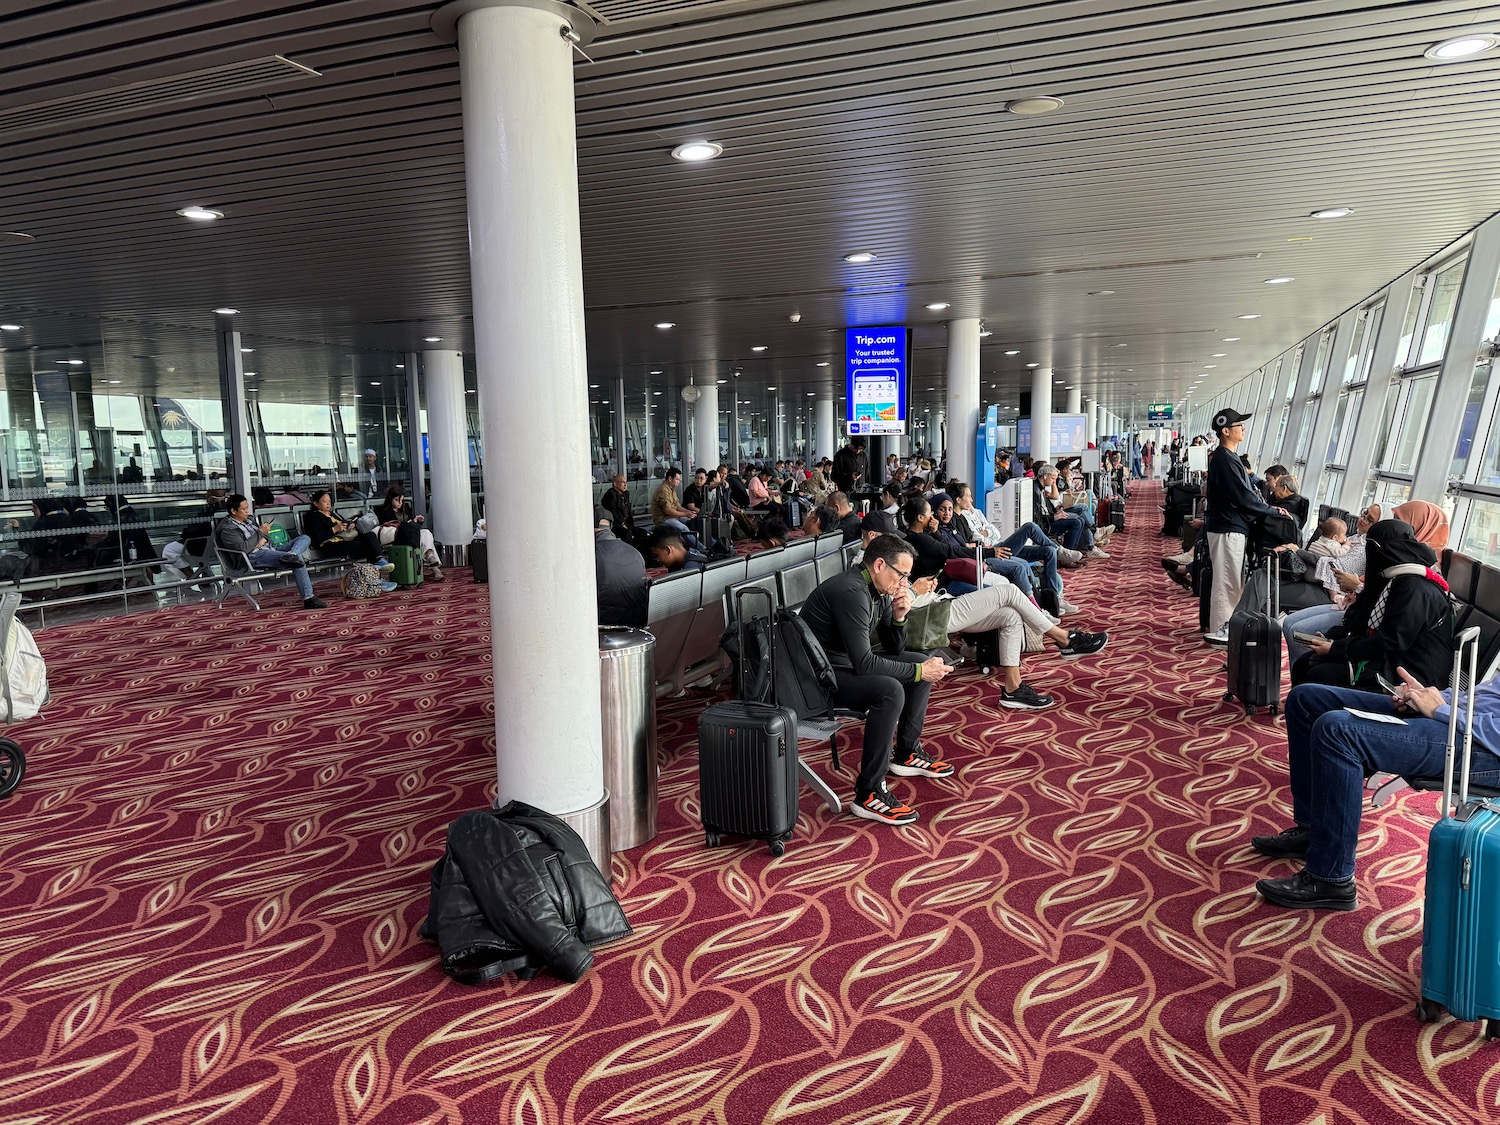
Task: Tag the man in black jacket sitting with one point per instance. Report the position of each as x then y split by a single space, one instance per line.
844 613
619 575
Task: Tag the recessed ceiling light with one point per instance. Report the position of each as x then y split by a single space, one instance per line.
593 386
246 351
226 311
11 327
666 324
252 374
695 152
1034 107
359 396
1248 316
859 257
1119 345
113 382
723 381
656 392
433 339
983 332
655 371
201 214
471 392
770 388
937 306
1332 212
1279 280
1463 47
1231 339
1033 365
1209 366
1217 355
400 367
16 236
1101 293
812 394
822 363
372 382
1013 352
758 348
75 362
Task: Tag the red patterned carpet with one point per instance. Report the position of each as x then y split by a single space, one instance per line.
212 879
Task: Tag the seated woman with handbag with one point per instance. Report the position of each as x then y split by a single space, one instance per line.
333 536
399 524
1402 618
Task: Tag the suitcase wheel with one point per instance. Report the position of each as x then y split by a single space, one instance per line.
777 847
1428 1011
711 839
1250 710
1492 1029
1274 709
1229 697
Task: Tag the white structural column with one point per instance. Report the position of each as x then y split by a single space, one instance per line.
1041 414
1091 420
1075 401
962 403
823 436
452 501
706 429
516 73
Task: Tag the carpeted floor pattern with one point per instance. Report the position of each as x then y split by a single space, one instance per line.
212 879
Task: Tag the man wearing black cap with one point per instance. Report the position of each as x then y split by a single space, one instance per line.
619 575
1232 507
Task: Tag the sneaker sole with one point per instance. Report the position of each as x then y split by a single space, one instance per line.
917 771
1017 705
893 821
1075 655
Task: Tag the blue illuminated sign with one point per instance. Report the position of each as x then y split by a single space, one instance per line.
875 366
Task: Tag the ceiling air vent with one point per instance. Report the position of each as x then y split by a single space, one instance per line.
140 98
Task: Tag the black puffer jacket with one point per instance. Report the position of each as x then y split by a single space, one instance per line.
517 891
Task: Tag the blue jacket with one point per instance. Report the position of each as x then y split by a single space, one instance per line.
1232 503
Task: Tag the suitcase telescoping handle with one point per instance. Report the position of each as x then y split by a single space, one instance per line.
742 624
1467 640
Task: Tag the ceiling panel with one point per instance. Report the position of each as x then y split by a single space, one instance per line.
1195 138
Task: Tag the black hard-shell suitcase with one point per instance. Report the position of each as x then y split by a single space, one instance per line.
479 560
748 779
1117 515
1255 652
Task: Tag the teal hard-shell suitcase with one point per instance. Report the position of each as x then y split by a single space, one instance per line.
1461 919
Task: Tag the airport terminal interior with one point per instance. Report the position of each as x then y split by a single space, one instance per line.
513 259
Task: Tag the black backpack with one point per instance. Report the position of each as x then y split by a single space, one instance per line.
779 660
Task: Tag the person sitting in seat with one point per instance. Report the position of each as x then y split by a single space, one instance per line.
891 498
333 536
1331 540
848 518
617 502
820 520
1029 542
772 533
1330 752
238 531
844 613
1047 511
667 512
619 575
1402 617
670 549
394 512
951 533
1341 577
695 494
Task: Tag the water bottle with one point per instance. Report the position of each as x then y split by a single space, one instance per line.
132 552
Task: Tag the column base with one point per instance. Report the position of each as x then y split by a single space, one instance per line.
454 554
592 825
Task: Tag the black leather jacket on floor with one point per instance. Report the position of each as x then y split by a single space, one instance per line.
516 890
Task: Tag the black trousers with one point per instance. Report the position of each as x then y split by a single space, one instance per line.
896 712
365 545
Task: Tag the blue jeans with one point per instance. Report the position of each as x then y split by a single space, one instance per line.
270 558
1075 534
682 529
1030 542
1330 753
1084 513
1313 619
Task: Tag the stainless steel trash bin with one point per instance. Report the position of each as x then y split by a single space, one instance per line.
628 708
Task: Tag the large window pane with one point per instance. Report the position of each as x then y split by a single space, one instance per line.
1328 487
1446 284
1293 368
1413 399
1481 538
1361 334
1320 361
1492 321
1469 427
1280 431
1304 429
1389 493
1346 414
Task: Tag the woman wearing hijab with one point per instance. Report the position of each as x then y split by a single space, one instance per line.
1401 618
1428 522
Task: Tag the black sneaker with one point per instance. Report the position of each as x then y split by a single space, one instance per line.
1025 698
314 603
918 763
882 807
1082 644
1310 892
1291 844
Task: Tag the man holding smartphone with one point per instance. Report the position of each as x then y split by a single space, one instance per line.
1232 508
1330 752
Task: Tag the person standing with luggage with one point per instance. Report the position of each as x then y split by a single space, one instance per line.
1233 506
844 613
851 466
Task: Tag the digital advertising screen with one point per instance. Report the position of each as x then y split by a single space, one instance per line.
1069 434
876 379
